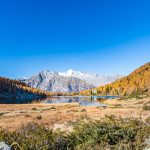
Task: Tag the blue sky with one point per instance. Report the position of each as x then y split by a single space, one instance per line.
102 36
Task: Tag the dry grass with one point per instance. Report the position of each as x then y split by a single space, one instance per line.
13 116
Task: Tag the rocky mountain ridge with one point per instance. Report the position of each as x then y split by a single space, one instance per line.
69 81
53 81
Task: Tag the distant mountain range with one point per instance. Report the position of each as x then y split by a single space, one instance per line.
92 78
69 81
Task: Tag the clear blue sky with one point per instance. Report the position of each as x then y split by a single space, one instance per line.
103 36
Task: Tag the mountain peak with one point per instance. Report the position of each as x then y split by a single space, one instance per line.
92 78
71 72
47 72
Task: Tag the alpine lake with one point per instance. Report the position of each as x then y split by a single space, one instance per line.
82 100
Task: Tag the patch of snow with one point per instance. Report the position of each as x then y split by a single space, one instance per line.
91 78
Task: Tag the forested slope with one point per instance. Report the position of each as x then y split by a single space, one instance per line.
136 82
12 91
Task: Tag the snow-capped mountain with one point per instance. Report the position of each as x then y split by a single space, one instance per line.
91 78
69 81
53 81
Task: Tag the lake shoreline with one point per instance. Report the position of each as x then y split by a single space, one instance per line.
12 116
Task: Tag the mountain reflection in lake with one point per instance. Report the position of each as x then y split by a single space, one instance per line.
82 100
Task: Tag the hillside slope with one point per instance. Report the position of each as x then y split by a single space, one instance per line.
12 91
136 82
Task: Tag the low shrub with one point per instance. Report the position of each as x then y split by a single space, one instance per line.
39 117
34 108
110 133
146 106
83 110
53 107
27 115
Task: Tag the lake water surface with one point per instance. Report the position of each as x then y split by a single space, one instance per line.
82 100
